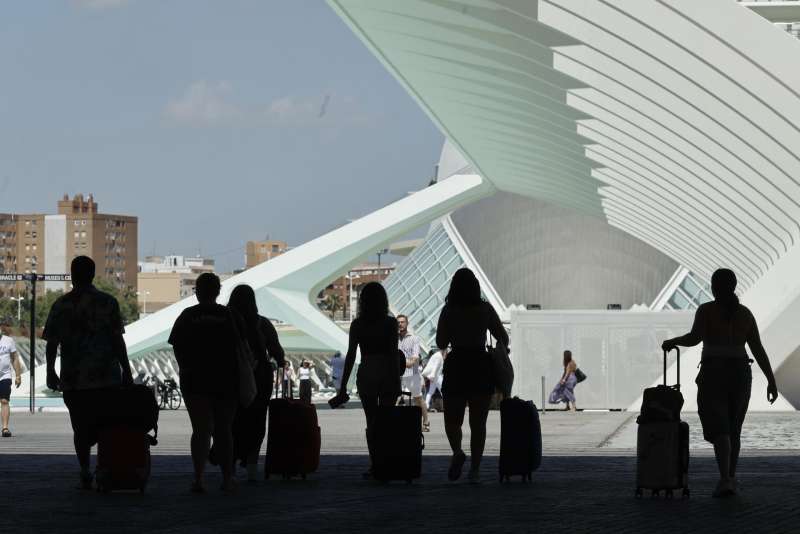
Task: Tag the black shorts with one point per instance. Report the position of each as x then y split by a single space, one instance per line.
5 389
723 394
467 372
88 408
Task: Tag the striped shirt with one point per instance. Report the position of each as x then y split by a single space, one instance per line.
409 344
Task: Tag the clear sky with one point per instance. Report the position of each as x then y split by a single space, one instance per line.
213 121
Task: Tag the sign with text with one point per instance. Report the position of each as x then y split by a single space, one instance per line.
19 277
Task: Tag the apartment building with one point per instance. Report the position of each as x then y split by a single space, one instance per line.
260 251
42 243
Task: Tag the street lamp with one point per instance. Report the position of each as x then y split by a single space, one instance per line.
144 300
19 300
351 277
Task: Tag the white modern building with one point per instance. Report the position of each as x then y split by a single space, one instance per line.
673 121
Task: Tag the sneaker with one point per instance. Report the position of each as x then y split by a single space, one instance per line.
456 465
86 480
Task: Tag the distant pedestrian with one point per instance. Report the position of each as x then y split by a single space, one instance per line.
287 379
304 377
9 359
408 343
250 423
378 379
433 374
468 381
565 389
87 325
724 381
204 338
337 369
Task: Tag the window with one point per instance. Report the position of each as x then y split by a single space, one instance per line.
83 234
83 222
76 234
76 222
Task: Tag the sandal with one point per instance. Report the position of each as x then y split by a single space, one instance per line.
426 427
456 466
6 433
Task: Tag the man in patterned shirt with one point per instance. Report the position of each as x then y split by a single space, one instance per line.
408 343
86 323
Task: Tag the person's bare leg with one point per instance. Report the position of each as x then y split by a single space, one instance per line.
736 446
5 412
478 413
722 451
224 412
454 408
424 407
200 415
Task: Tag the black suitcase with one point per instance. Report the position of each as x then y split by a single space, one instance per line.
662 441
520 439
397 443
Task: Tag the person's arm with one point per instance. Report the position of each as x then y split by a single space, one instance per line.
413 360
52 336
350 359
274 348
120 349
694 336
442 333
17 368
496 327
760 355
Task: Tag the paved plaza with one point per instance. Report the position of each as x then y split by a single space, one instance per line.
584 485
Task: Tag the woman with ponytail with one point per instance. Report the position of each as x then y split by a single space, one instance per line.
723 384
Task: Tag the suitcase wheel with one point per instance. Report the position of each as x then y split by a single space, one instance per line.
668 495
685 493
654 494
639 493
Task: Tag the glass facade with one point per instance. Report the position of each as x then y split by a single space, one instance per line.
420 283
691 292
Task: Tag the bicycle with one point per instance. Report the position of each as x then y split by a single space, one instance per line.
168 395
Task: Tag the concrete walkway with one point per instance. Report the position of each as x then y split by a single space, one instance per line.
580 487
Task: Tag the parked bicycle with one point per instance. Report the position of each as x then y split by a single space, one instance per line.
168 395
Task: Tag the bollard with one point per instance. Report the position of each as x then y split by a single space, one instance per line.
543 397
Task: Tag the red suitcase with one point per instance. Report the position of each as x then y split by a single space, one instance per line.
123 459
293 439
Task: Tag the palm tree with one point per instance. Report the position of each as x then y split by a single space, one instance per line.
332 303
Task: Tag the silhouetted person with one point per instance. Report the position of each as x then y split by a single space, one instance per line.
725 378
408 343
378 380
9 359
304 377
250 424
287 380
565 389
468 380
204 338
87 325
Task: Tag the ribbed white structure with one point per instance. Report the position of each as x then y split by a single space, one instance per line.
676 120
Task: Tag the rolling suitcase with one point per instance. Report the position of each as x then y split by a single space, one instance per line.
293 438
520 439
662 441
123 458
397 443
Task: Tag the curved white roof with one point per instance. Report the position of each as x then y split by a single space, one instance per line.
675 120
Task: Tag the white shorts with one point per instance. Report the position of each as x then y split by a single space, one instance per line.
413 384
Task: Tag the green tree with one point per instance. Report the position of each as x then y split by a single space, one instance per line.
128 303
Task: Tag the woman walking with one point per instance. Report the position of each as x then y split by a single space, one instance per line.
203 338
565 389
304 377
724 381
463 323
378 379
249 426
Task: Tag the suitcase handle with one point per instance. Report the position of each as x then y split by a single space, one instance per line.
677 385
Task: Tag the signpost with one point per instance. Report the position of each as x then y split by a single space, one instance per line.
32 279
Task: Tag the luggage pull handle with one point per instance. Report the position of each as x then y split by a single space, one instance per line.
677 385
